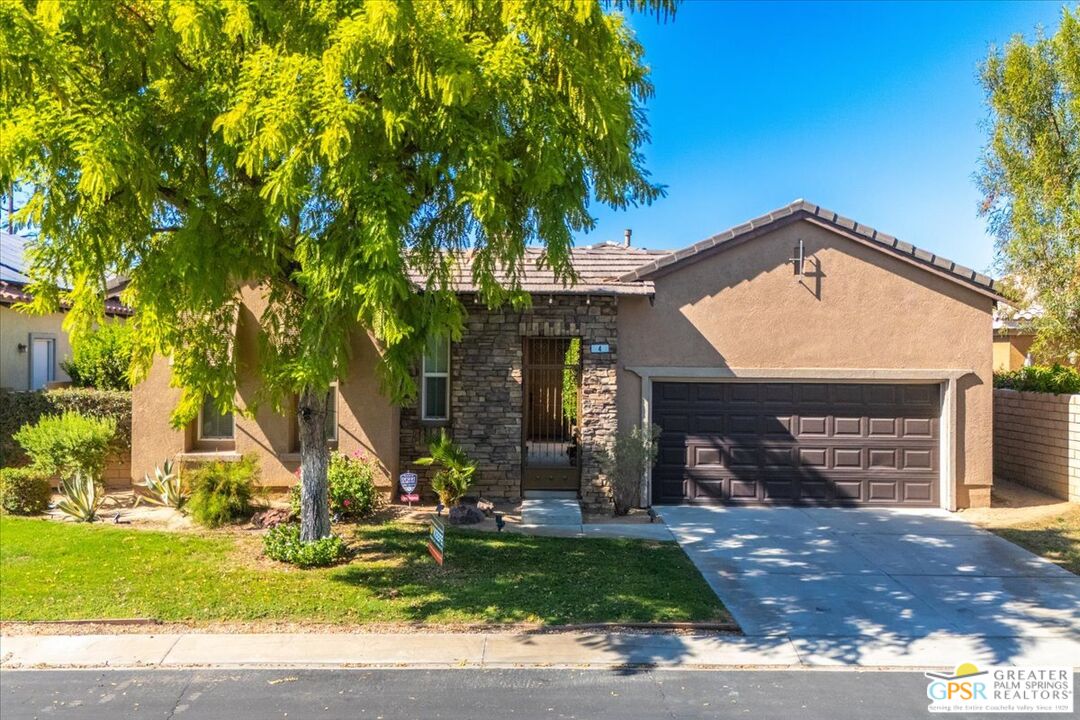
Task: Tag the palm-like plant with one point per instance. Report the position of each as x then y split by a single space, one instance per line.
164 489
80 497
457 471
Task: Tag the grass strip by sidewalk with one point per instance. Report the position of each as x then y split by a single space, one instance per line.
1056 538
55 571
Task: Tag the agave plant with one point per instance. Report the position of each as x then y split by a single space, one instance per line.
80 498
164 488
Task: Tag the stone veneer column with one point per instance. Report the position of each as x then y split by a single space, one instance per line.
486 392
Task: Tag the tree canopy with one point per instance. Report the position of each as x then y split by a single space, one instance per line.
326 152
1030 175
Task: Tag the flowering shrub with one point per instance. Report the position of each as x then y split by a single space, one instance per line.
352 490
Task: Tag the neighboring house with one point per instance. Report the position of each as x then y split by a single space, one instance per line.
1014 333
859 375
31 346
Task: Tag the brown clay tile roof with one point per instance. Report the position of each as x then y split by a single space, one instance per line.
598 267
801 209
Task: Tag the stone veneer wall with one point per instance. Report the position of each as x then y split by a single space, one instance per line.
1037 441
486 392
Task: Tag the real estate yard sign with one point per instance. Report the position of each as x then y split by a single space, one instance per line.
437 540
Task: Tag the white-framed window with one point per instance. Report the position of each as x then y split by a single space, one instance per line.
435 380
214 425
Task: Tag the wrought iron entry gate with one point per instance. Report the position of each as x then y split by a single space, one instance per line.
551 414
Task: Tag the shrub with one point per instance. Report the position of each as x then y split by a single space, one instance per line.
101 358
1058 379
283 543
221 491
351 486
24 491
26 408
625 463
80 497
60 446
455 477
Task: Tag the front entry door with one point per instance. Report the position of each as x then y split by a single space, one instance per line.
42 362
552 407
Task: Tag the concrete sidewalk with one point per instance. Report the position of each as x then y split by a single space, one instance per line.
492 650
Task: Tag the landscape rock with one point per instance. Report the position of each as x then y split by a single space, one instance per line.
271 517
465 515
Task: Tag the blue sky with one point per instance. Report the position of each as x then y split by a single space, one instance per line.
872 110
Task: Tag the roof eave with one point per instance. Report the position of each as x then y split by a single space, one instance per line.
801 210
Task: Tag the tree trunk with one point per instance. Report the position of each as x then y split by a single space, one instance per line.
314 461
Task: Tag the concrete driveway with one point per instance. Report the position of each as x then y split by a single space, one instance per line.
861 585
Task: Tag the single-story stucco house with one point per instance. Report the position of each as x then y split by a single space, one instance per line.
799 357
33 347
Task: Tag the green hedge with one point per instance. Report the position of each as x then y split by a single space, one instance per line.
20 408
1057 379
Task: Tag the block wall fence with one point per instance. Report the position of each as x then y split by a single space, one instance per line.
1037 441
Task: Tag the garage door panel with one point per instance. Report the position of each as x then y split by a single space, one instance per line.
814 457
825 443
706 456
847 458
779 393
743 490
879 394
882 427
917 491
811 393
882 458
919 427
847 427
739 457
813 426
781 490
776 426
744 425
743 393
707 424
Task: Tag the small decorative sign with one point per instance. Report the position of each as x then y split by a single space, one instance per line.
410 498
407 481
437 540
599 348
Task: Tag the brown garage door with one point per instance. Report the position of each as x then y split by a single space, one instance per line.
836 444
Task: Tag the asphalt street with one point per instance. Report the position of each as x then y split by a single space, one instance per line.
302 694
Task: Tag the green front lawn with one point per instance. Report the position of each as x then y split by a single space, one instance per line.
54 571
1056 537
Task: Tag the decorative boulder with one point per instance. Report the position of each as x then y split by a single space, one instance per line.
271 517
485 506
465 515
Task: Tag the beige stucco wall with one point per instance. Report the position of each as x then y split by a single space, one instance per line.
857 308
1010 351
15 328
367 421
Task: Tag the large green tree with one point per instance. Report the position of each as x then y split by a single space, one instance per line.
316 150
1030 175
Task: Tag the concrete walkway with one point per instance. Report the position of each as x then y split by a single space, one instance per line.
865 586
389 650
561 517
495 650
